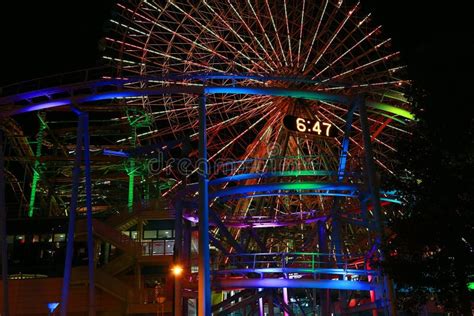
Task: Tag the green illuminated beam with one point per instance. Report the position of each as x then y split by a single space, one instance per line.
132 168
470 286
391 109
131 183
36 175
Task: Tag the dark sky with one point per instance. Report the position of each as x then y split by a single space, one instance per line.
42 38
46 37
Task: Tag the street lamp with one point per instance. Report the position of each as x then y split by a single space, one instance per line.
177 270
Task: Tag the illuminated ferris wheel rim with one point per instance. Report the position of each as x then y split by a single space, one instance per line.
170 85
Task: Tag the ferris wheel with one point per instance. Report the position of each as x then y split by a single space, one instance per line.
327 47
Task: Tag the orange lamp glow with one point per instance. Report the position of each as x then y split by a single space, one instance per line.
177 270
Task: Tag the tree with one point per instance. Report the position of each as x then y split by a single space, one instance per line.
429 245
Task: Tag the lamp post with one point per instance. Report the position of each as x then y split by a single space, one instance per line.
177 270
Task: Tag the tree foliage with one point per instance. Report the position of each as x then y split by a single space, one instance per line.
429 245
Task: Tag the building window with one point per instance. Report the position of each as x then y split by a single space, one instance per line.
166 234
149 234
59 237
46 238
169 245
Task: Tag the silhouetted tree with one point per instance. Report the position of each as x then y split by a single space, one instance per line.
429 245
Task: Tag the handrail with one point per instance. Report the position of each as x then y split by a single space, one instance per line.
311 260
71 77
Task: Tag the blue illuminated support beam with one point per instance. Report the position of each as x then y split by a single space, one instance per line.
325 297
336 221
90 242
115 153
345 142
374 194
72 220
335 211
204 283
198 90
370 167
3 230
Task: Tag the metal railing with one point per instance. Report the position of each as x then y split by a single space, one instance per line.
158 248
57 80
292 165
297 260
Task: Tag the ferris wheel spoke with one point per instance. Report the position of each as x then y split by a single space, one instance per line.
361 67
254 38
330 64
220 38
277 36
348 16
262 29
288 34
300 34
314 36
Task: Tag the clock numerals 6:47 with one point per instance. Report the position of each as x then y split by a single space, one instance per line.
314 126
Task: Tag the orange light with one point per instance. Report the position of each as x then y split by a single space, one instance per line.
177 270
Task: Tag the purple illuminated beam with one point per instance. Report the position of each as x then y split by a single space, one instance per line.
264 223
294 284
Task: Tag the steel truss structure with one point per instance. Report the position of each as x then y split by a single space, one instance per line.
192 114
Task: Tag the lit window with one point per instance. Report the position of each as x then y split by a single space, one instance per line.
167 234
59 237
149 234
169 245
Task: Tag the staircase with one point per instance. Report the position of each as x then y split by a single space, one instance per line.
109 234
119 264
153 210
110 231
104 281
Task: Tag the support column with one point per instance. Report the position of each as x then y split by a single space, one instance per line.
178 244
90 240
204 285
286 299
374 194
142 295
270 304
261 306
187 246
3 230
370 168
36 174
132 171
72 220
324 294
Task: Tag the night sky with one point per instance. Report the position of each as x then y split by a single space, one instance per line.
42 38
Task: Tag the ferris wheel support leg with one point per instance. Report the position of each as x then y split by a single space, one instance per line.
324 294
204 284
178 261
90 239
72 220
3 231
374 194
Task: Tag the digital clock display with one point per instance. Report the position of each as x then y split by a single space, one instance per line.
309 126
